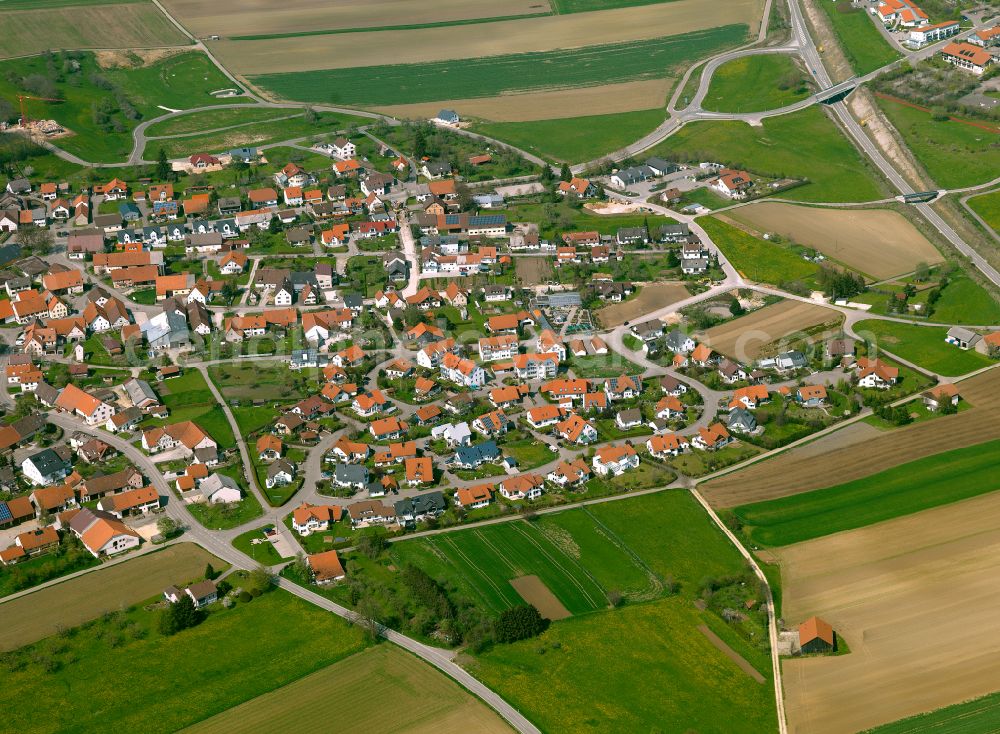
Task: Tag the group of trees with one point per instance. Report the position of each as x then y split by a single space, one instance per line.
422 139
838 283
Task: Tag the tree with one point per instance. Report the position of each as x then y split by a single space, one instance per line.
565 173
209 572
274 226
311 116
258 581
162 166
419 143
372 542
922 272
36 239
736 308
229 291
179 616
519 623
368 613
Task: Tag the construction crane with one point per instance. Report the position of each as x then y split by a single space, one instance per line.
22 97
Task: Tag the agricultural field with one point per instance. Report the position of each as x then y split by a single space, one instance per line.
863 45
411 696
649 298
923 345
448 75
757 259
215 119
762 332
947 477
879 243
576 139
304 17
964 301
970 717
241 653
955 154
910 598
988 207
73 602
86 25
805 144
755 83
858 450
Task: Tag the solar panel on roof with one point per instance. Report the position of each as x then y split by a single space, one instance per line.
5 513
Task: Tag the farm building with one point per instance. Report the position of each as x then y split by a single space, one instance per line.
816 635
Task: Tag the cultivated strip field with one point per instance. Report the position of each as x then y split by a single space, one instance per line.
877 242
476 41
34 616
745 338
833 459
916 601
129 25
410 697
650 298
232 18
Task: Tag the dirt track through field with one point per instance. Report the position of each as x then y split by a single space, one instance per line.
534 591
877 242
731 653
829 460
650 298
475 41
748 337
914 598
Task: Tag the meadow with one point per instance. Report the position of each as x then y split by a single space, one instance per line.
755 83
241 653
954 154
863 45
115 25
946 477
410 696
577 139
988 207
488 76
215 119
803 145
964 301
757 259
189 399
923 345
69 603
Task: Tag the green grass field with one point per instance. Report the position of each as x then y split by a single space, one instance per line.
263 553
755 83
954 154
946 477
971 717
964 301
241 653
493 75
214 119
575 139
189 399
861 41
804 144
225 516
988 207
758 259
923 345
590 665
611 364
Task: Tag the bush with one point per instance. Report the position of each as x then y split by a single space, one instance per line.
519 623
244 597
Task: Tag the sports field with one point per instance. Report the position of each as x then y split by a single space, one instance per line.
649 298
762 332
757 259
805 144
914 599
860 450
880 243
37 615
755 83
116 25
944 478
410 696
923 345
505 70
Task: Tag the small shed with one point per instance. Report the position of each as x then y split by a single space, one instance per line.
816 635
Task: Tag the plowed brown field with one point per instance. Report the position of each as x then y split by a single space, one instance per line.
745 338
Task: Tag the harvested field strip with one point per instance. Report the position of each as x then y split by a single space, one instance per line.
292 17
746 337
731 653
916 601
530 35
133 25
947 477
73 602
879 243
505 74
369 29
410 696
827 461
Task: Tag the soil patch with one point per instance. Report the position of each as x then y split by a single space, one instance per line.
650 298
752 336
533 591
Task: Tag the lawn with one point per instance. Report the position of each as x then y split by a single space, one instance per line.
263 553
494 75
221 516
145 296
528 453
242 653
189 399
804 145
69 558
611 364
923 345
758 259
251 420
755 83
864 46
988 207
946 477
575 139
215 119
970 717
964 301
590 665
954 154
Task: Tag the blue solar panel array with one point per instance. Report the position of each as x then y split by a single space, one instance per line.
5 513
